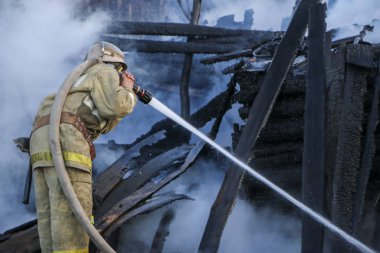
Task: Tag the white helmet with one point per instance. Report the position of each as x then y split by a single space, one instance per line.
106 52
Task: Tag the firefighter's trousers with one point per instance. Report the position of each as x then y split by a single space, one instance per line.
58 228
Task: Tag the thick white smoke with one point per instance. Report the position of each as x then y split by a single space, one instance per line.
351 15
41 41
247 230
267 15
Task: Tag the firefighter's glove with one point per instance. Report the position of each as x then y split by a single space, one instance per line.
127 80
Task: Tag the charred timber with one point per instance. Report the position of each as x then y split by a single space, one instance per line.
285 107
257 118
138 175
187 65
121 208
228 56
280 130
162 232
226 105
151 204
153 46
334 100
349 144
288 175
268 149
176 29
367 155
313 156
106 181
251 82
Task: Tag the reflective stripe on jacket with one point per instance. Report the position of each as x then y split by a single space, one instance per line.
98 99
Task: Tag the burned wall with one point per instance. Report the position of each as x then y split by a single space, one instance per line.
351 141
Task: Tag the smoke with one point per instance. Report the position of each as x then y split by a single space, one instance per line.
41 42
267 15
247 229
351 15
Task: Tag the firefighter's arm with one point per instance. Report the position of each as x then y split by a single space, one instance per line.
112 100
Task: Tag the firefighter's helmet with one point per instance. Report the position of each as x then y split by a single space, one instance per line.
106 52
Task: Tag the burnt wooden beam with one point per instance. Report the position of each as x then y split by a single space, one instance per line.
376 234
23 238
120 208
176 29
347 163
141 174
334 101
313 156
193 47
225 106
107 180
257 118
154 46
361 55
227 56
367 154
162 232
187 64
149 205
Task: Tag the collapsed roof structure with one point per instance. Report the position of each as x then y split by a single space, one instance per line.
310 107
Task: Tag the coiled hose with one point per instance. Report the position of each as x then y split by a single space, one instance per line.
55 146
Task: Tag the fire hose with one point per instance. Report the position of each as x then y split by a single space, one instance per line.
56 150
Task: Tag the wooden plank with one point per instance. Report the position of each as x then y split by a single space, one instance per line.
120 208
26 240
187 64
347 161
227 56
190 47
162 232
141 174
106 181
150 205
225 106
376 236
177 29
334 102
367 155
361 55
257 118
313 156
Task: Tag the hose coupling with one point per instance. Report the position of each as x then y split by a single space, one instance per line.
143 95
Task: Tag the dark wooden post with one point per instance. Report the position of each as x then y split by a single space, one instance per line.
348 155
188 62
367 155
313 156
257 118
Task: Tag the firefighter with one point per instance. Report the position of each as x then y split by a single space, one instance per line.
96 103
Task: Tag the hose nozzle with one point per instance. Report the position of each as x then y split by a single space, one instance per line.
143 95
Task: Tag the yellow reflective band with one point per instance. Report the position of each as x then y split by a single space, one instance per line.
71 251
67 156
92 219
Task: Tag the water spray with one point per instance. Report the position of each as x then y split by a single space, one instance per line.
147 98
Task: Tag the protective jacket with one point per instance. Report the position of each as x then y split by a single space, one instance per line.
99 101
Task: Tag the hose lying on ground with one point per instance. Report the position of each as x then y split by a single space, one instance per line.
55 146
